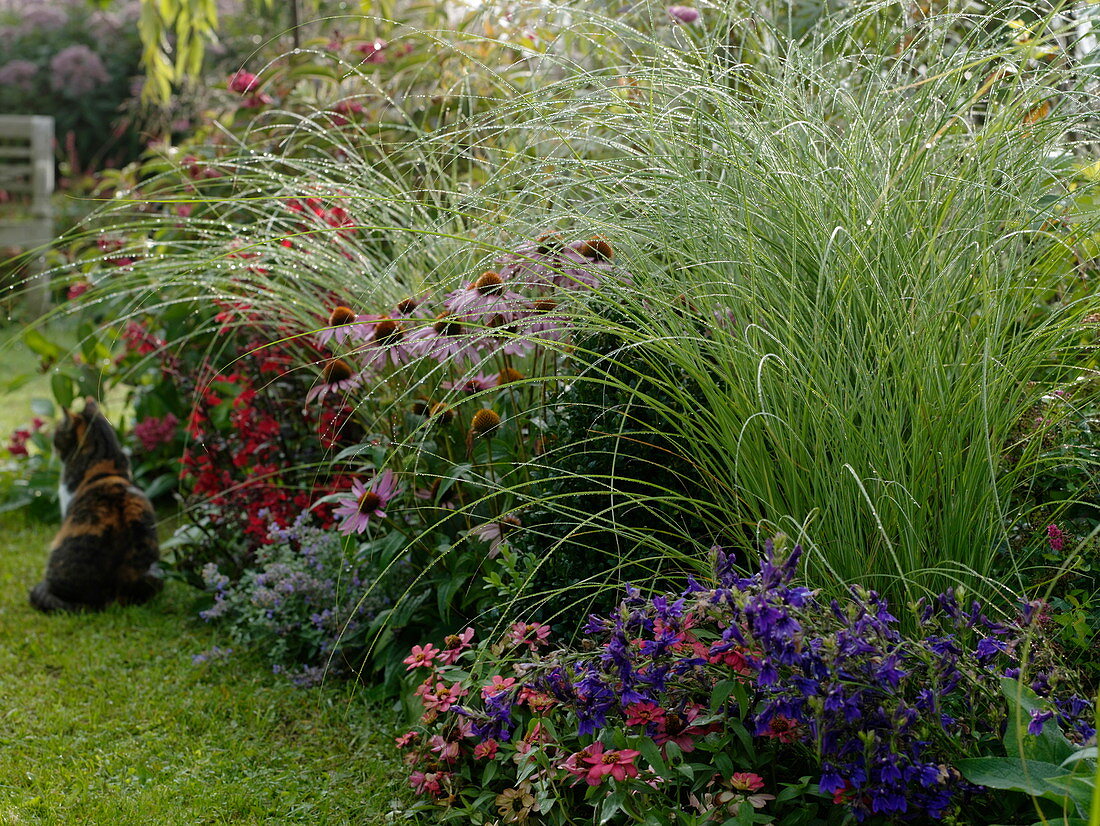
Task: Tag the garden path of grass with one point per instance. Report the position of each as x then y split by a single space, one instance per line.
104 719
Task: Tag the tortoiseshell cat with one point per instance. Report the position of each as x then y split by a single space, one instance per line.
107 545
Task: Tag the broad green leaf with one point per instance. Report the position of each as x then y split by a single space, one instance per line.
63 389
41 345
1011 773
1050 745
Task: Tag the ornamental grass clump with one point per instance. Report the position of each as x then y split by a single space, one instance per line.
696 701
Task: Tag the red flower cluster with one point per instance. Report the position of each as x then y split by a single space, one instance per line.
248 430
17 446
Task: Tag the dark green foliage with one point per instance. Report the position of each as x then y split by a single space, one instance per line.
614 487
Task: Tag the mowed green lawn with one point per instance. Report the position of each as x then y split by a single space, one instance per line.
105 719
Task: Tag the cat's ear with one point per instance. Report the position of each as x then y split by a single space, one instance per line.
90 408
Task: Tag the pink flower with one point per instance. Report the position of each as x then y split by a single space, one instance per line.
1056 537
495 533
421 656
373 52
447 750
683 14
456 644
619 764
532 634
153 432
497 685
406 738
243 82
474 383
486 750
366 502
78 289
486 299
440 697
746 781
644 713
337 376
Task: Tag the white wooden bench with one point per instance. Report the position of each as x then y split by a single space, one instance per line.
26 174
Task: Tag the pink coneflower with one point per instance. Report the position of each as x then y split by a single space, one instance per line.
475 383
366 502
387 342
496 533
586 263
485 300
447 339
337 376
345 324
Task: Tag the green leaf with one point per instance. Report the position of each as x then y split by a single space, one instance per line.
63 388
652 754
1010 773
721 693
43 408
1050 746
41 345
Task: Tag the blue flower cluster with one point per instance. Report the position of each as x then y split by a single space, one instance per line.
883 713
302 601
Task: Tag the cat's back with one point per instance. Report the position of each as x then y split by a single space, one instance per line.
107 545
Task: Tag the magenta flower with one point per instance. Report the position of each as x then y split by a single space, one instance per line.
474 383
746 781
486 749
497 685
456 645
618 763
683 14
643 713
366 502
1056 537
243 82
421 656
532 634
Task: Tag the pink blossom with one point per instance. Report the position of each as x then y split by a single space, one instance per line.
456 645
1056 537
447 750
497 685
243 82
406 738
644 713
683 14
532 634
421 656
440 697
366 502
486 750
153 432
619 764
78 289
746 781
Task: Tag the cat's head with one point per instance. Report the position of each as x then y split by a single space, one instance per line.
78 429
